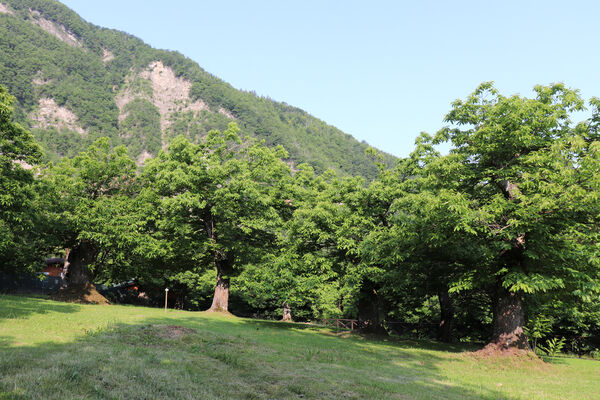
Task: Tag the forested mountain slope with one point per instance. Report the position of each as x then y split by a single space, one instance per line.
75 82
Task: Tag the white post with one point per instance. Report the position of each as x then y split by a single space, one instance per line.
166 292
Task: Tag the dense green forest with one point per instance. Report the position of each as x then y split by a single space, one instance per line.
75 82
497 241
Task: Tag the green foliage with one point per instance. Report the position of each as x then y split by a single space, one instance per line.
18 208
553 347
196 126
531 178
72 77
513 207
216 202
297 131
197 286
538 328
58 144
89 199
140 129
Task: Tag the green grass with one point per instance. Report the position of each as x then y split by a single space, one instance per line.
51 350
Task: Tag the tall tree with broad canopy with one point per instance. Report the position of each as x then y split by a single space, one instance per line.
424 244
90 199
317 272
17 215
219 202
532 180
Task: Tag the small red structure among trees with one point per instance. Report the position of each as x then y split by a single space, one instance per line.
54 267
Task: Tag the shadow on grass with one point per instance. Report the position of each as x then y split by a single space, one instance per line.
21 307
557 360
384 340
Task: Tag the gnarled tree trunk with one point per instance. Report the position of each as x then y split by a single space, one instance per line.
287 313
444 333
508 307
78 285
78 259
224 265
508 321
369 310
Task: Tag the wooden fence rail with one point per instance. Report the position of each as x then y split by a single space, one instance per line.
395 327
338 323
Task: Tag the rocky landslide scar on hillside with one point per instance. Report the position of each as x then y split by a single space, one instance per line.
49 114
4 9
168 93
54 29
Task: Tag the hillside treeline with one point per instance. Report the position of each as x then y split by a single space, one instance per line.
95 67
497 241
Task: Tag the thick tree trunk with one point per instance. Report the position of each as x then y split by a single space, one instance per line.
444 333
65 269
508 321
220 301
78 259
78 285
287 313
508 308
369 311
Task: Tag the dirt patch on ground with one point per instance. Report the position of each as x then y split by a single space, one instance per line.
509 358
172 331
514 355
51 114
86 294
52 28
220 312
124 97
493 350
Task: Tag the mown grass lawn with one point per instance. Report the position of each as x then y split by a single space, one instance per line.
51 350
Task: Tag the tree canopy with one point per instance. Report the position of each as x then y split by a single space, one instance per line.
18 214
495 241
531 181
219 201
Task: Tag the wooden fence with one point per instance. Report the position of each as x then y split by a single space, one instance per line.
392 327
344 324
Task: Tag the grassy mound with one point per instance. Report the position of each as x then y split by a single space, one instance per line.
52 350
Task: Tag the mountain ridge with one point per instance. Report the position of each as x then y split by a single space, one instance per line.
75 81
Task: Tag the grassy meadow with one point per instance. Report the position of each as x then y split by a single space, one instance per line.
52 350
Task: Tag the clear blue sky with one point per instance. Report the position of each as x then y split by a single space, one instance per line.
382 71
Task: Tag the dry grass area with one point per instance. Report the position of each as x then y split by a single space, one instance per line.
54 350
